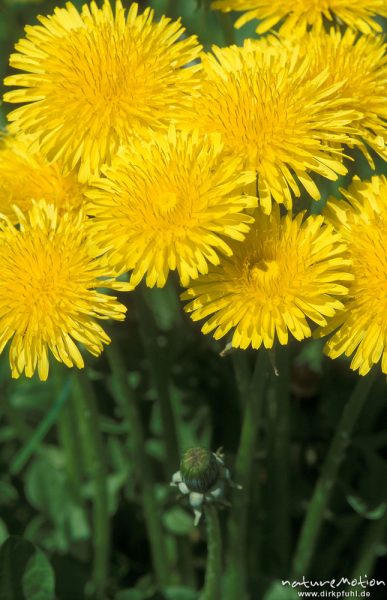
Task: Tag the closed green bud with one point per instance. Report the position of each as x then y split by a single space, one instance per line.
202 477
199 469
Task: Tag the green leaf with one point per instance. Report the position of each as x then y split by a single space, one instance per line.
155 448
46 488
311 355
38 579
359 506
8 493
132 594
180 593
40 432
177 521
64 519
14 556
78 523
277 591
25 573
164 304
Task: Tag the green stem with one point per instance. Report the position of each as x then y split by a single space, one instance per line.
322 492
212 588
40 432
236 583
158 371
227 28
242 373
278 465
69 440
159 374
125 398
373 539
85 404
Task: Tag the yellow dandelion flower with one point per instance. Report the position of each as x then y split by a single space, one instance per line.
287 271
92 80
270 112
298 15
359 62
168 205
361 220
25 177
49 297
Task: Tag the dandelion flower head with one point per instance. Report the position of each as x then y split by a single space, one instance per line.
298 15
169 205
359 62
287 271
49 298
25 177
92 80
361 220
271 113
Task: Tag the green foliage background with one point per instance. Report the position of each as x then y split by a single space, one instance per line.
47 466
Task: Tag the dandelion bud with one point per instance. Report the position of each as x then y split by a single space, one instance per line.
199 469
203 477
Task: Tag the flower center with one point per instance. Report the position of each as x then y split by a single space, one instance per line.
262 119
39 282
305 5
263 272
168 200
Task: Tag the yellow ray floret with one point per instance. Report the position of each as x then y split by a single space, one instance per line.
359 63
49 298
361 220
170 204
25 177
283 123
287 271
92 80
297 16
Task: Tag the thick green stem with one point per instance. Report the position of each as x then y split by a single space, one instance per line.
228 28
159 374
236 578
125 398
278 465
322 492
85 404
242 373
212 583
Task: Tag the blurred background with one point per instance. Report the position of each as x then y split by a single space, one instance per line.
55 481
